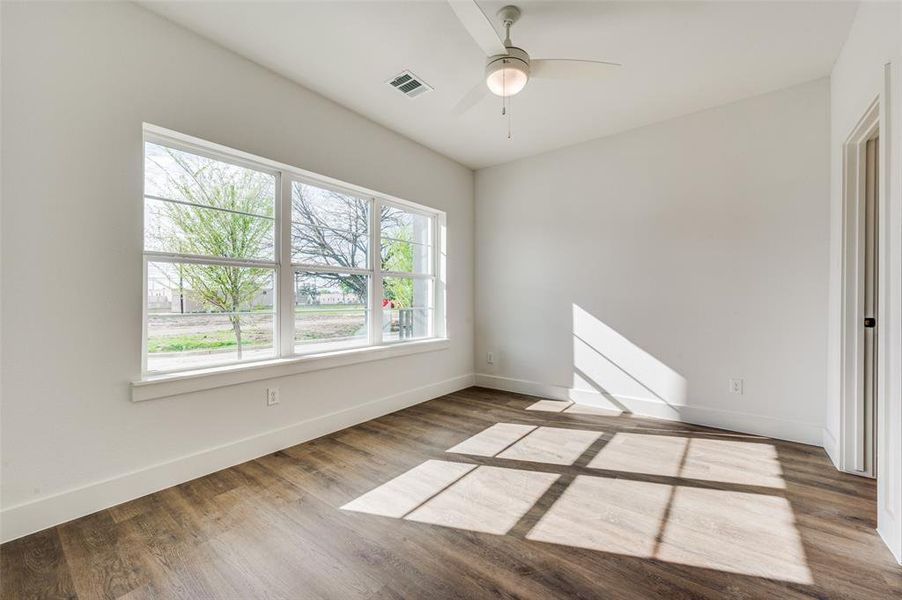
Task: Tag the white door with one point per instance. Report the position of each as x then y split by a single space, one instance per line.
869 318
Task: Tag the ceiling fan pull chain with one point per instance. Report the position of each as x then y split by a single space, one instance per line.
508 119
504 93
505 103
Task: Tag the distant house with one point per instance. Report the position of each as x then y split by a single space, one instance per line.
162 297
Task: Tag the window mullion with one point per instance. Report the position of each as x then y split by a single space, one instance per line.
198 259
285 271
144 317
375 259
407 275
439 317
329 269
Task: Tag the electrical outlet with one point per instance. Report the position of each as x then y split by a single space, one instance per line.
736 386
272 396
490 358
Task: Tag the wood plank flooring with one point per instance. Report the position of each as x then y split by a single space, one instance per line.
484 494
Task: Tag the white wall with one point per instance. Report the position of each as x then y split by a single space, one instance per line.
655 265
78 81
859 77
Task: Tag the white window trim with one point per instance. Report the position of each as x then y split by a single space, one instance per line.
288 360
185 382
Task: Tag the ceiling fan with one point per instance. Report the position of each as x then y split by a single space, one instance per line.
509 68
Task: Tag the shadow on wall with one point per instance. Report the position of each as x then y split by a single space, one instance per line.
611 372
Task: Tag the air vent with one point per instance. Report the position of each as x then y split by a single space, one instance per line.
409 84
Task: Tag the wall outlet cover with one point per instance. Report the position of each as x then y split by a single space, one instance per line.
272 396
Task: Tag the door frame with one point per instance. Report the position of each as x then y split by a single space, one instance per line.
852 440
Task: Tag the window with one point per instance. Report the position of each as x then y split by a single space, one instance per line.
330 242
406 244
226 282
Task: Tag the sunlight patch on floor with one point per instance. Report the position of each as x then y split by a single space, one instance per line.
409 490
550 406
751 534
732 531
560 406
489 499
549 445
492 440
552 445
726 461
610 515
486 499
731 461
638 453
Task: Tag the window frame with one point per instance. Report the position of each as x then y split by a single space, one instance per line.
284 347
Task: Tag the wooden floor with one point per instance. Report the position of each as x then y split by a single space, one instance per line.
484 494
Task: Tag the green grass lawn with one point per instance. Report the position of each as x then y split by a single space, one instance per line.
198 341
315 324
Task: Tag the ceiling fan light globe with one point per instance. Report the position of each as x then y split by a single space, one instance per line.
507 74
506 81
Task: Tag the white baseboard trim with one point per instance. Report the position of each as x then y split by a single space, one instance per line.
831 446
35 515
783 429
893 545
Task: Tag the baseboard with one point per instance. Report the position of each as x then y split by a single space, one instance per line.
783 429
892 544
831 446
23 519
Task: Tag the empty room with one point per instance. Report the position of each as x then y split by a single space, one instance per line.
433 299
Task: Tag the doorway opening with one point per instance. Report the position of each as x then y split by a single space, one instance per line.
861 372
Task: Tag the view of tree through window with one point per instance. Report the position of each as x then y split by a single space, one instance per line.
213 266
198 209
406 247
331 232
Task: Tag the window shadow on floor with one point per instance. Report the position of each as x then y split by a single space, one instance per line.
707 502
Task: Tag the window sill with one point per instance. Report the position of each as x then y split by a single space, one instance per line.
174 384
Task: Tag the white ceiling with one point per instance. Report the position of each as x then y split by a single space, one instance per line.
678 57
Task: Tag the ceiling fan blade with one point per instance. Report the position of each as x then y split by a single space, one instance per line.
479 26
570 68
470 99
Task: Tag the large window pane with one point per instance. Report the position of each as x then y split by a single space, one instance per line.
330 311
406 308
203 315
328 247
185 177
403 225
405 257
186 229
328 227
197 205
406 244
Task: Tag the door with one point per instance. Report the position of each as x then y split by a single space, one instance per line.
869 318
